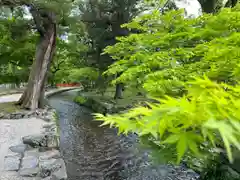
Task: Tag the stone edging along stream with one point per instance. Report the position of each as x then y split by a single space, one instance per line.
98 106
38 155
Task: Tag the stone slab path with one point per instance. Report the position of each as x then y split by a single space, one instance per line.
11 132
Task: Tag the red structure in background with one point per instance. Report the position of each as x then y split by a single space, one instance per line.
68 85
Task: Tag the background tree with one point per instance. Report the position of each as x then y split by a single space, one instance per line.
46 18
17 46
103 20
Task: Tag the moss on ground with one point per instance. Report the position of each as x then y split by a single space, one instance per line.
106 100
9 107
80 99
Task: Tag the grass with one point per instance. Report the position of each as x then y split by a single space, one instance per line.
56 120
9 107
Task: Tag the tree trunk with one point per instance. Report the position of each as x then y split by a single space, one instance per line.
208 6
33 96
213 6
119 91
52 79
231 3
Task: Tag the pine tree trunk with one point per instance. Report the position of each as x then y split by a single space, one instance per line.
213 6
208 6
119 91
33 96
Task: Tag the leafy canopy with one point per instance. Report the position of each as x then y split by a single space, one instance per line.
189 121
171 49
191 67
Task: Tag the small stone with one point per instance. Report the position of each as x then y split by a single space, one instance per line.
7 116
26 116
12 116
32 152
45 149
47 118
49 166
47 178
35 140
12 163
55 154
50 128
18 116
2 115
49 125
60 174
10 153
30 162
52 141
29 114
21 148
32 172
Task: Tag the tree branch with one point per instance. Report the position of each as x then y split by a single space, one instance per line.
41 17
37 19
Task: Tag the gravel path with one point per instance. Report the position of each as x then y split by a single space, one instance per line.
11 132
10 98
15 97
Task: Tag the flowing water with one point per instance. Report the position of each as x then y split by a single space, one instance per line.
98 153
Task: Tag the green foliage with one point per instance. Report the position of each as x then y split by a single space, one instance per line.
17 47
66 59
80 99
56 120
195 116
177 49
206 114
86 73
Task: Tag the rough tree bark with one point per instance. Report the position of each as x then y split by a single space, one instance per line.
208 6
213 6
119 89
33 96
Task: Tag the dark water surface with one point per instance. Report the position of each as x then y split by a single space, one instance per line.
97 153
